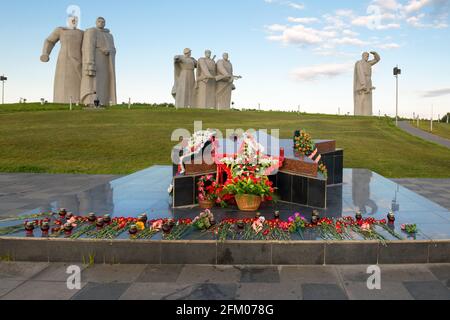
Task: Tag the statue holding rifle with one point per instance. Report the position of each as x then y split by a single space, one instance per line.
206 82
225 83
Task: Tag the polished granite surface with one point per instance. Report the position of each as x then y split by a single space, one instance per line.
146 191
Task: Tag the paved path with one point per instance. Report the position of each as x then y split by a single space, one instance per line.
20 192
25 281
406 126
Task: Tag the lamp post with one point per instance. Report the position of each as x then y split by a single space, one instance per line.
397 72
3 79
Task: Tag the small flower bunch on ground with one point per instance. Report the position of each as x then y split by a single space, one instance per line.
204 221
410 228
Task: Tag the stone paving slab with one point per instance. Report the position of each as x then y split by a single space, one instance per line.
41 290
28 281
156 291
269 291
427 290
207 274
389 291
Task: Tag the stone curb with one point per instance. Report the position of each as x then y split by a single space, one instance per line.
224 253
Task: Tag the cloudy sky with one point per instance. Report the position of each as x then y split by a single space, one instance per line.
289 53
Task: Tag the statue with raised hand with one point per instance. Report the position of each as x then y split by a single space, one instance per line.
225 83
363 87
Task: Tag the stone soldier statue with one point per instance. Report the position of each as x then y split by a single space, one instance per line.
206 82
68 68
99 66
225 83
363 87
183 90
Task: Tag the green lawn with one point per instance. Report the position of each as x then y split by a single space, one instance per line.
439 129
120 141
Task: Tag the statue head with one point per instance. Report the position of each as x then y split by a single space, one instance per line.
72 22
187 52
208 54
225 56
101 23
365 56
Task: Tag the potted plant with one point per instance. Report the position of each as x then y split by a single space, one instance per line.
207 188
250 191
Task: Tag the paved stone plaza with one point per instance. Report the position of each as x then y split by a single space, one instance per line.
178 282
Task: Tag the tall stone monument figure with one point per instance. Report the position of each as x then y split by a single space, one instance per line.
68 68
363 87
225 83
183 90
206 82
99 66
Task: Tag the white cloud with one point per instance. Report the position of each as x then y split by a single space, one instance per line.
301 35
297 6
303 20
388 46
276 28
416 5
294 5
387 4
320 71
436 93
349 41
350 33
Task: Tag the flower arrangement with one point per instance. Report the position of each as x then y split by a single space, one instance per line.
208 191
251 160
303 143
196 143
250 185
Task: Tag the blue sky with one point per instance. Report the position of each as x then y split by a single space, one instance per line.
289 53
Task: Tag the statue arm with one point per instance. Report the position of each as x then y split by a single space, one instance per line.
376 59
221 70
49 44
204 67
89 45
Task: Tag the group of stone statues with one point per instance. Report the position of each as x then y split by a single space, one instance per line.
85 71
210 87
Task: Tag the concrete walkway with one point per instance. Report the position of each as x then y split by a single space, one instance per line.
406 126
29 281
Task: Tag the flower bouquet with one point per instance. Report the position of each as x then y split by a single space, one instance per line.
303 143
207 188
250 191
